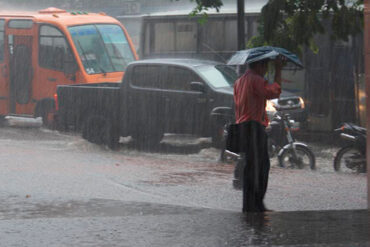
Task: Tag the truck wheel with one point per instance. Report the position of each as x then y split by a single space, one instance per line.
145 137
100 130
45 108
60 124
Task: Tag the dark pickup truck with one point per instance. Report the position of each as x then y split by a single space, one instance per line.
155 97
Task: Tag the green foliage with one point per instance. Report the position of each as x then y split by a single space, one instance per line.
293 24
204 5
257 40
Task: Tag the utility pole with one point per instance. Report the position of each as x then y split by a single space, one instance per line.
241 24
367 80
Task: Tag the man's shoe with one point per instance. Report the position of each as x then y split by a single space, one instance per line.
237 184
264 209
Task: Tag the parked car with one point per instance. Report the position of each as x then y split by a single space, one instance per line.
156 96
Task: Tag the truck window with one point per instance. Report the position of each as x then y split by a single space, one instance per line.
180 79
2 24
53 48
102 47
147 76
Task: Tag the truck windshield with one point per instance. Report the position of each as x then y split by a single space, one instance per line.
218 75
102 47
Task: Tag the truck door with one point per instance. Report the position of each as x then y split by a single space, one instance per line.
19 38
4 89
185 108
145 100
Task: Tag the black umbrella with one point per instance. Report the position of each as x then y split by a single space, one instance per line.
265 52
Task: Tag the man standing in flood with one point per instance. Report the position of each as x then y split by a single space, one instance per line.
250 94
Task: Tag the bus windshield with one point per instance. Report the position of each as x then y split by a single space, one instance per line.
102 47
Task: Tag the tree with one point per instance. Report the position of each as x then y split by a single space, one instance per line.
293 24
204 5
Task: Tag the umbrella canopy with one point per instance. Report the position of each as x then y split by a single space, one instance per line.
265 52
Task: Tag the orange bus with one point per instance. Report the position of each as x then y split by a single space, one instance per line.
39 51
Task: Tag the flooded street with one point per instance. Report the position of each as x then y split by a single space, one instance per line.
59 190
48 165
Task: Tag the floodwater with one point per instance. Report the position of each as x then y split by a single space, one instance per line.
182 170
59 190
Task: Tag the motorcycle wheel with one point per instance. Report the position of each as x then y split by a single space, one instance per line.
305 156
343 157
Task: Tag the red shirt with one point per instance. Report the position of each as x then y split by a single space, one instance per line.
250 94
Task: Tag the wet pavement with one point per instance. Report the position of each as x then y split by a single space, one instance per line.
56 189
115 223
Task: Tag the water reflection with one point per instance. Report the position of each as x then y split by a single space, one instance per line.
306 228
260 225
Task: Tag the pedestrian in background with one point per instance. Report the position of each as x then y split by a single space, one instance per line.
250 94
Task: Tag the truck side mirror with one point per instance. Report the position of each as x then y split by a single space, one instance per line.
197 86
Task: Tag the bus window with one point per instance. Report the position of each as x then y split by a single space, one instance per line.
2 24
20 24
54 49
102 47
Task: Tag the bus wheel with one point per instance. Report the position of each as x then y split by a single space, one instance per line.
2 121
48 120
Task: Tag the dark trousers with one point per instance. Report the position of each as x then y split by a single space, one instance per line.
257 166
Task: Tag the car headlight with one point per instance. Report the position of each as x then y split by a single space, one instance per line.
302 102
270 106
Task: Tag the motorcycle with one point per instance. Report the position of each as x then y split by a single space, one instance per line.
281 143
352 156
